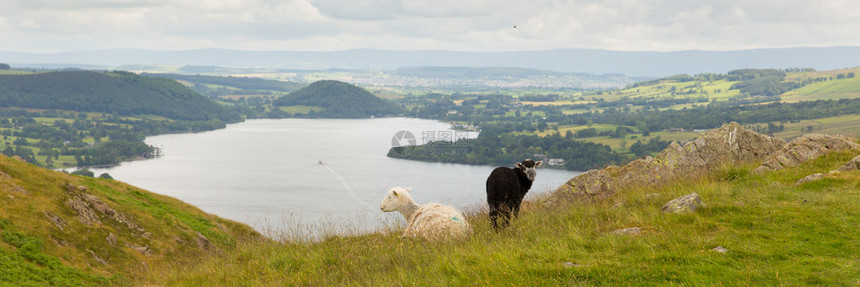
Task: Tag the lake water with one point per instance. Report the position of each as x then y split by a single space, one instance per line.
306 176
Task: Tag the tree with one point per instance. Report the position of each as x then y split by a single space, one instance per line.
568 134
542 126
638 149
586 133
5 66
84 172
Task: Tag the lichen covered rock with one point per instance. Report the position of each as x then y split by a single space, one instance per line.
853 164
595 181
805 148
684 204
730 144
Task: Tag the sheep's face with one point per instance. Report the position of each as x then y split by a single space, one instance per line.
394 200
528 167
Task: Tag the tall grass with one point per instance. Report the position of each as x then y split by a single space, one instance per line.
776 233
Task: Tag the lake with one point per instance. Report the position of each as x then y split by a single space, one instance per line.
291 176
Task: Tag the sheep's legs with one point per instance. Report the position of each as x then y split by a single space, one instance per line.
515 209
499 210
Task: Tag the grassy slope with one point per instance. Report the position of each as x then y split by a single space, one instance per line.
776 234
34 251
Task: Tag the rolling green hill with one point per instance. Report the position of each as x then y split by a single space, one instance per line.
339 100
67 230
122 93
753 85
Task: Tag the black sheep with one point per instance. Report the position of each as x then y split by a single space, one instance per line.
506 188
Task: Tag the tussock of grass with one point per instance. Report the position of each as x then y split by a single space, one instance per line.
776 233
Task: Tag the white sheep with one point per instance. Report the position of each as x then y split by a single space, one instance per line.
430 221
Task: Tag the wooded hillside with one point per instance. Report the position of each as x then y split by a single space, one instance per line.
340 100
122 93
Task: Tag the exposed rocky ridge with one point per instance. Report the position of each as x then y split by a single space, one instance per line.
730 144
807 147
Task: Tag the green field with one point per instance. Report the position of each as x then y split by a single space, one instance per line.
299 109
535 113
15 72
565 128
831 90
718 90
842 125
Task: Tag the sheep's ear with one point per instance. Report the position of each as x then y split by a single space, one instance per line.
519 165
537 164
409 189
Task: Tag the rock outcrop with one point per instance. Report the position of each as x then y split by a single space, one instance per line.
202 242
730 144
684 204
56 220
853 164
88 207
808 178
6 180
807 147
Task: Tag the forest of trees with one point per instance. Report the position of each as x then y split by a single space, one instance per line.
493 148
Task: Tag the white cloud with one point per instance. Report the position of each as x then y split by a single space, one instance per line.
53 25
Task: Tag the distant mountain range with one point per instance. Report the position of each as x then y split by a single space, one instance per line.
635 64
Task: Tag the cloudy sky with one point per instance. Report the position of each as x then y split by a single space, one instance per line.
461 25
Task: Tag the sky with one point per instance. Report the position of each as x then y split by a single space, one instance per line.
454 25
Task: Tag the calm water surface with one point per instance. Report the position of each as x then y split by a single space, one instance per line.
285 175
